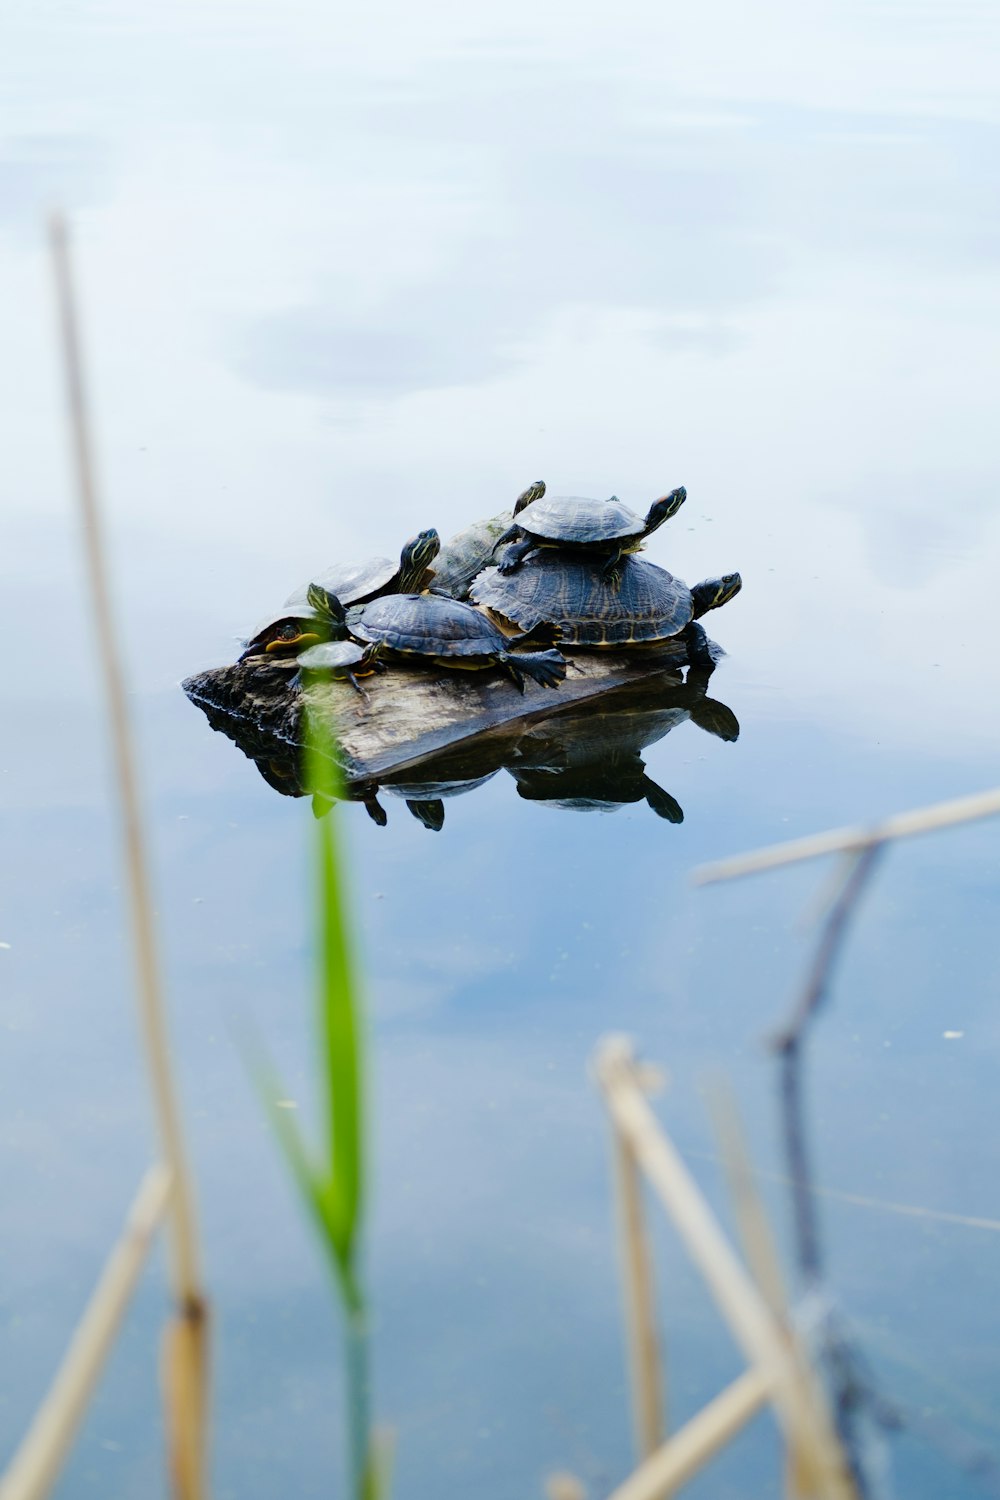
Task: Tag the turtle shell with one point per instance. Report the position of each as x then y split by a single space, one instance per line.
467 554
353 583
331 656
275 625
578 521
647 604
427 625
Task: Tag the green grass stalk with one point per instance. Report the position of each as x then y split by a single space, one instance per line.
332 1180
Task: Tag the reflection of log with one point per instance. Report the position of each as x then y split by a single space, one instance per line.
410 713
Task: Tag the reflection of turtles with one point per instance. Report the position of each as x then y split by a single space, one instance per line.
472 550
604 526
592 761
300 624
451 634
426 786
646 606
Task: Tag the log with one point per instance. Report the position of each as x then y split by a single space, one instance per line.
408 714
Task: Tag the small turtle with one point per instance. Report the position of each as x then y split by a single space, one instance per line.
646 606
448 633
343 661
472 550
299 624
572 521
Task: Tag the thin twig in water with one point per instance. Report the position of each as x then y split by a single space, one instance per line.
789 1046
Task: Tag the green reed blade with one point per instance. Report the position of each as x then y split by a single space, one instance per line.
338 1014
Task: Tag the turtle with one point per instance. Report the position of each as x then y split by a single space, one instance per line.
446 632
298 623
576 522
646 606
343 661
471 550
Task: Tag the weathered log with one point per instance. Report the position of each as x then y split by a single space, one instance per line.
408 714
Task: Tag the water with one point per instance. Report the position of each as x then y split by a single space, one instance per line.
349 275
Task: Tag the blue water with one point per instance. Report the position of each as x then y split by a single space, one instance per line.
348 275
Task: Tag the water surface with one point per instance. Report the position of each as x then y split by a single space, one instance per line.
345 276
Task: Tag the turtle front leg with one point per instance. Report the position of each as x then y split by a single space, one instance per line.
355 684
611 572
515 555
699 656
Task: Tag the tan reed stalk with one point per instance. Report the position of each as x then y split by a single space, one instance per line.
564 1487
903 825
691 1447
184 1260
751 1220
765 1342
36 1464
756 1238
644 1357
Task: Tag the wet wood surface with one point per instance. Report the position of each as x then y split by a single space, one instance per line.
407 714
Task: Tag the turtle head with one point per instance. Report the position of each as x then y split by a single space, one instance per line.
661 510
715 592
329 609
415 558
533 492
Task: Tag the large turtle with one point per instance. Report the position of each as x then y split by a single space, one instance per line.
572 521
443 631
299 624
647 605
471 550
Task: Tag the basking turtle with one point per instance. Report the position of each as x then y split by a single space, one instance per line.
647 605
472 550
343 661
446 632
299 624
572 521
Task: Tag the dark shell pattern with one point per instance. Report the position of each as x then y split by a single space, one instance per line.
466 554
648 604
578 520
427 625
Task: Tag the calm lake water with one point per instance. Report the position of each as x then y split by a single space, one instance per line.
349 274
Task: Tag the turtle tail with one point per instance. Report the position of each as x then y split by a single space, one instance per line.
715 592
545 667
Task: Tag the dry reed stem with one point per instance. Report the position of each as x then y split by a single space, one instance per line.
765 1342
37 1462
564 1487
185 1269
184 1260
645 1365
751 1219
184 1380
698 1440
903 825
755 1236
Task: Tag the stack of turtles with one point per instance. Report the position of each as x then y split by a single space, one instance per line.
552 569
